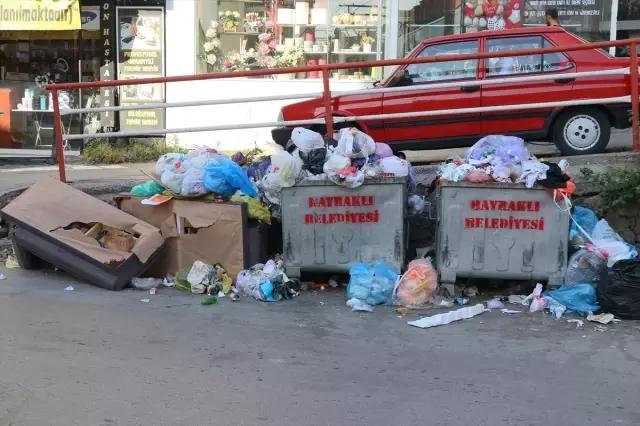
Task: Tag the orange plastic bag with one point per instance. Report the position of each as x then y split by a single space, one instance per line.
418 285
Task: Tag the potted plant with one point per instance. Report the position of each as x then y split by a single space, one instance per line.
234 62
367 43
355 48
230 20
253 22
292 57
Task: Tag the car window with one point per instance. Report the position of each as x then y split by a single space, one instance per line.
525 64
442 71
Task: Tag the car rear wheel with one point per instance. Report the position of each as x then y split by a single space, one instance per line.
582 131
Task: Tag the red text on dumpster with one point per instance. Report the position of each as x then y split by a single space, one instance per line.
343 216
504 222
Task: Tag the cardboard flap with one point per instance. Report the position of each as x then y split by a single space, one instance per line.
50 205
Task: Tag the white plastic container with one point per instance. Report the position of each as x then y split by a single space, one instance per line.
302 13
286 16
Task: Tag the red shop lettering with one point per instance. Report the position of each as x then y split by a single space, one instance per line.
347 201
504 223
346 217
506 206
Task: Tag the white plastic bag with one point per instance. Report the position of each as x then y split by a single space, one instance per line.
172 181
453 172
336 162
394 167
306 140
286 169
610 244
353 143
537 303
174 162
193 182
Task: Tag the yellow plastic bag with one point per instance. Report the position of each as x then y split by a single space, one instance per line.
256 210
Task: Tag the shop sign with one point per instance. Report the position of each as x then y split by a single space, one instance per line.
569 11
141 55
107 68
39 15
90 18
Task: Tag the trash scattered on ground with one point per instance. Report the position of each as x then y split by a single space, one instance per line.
510 311
449 317
580 298
600 328
494 304
69 288
146 283
145 300
442 302
12 263
403 311
333 283
471 291
602 318
577 322
535 301
2 277
516 299
359 305
555 307
153 291
462 300
266 282
212 300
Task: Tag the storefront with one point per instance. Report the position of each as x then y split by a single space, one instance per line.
132 39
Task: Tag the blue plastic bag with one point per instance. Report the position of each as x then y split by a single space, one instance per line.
373 286
587 219
581 298
224 177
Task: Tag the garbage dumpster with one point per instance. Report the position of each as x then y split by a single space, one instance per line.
498 230
328 228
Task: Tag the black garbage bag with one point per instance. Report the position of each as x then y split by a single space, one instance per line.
619 294
313 160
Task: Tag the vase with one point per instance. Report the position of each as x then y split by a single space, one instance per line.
366 48
230 29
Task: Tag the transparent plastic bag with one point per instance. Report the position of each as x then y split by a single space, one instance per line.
173 162
353 143
415 204
585 267
193 183
172 181
418 285
497 150
587 220
373 286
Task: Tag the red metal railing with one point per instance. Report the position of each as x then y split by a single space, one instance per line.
327 97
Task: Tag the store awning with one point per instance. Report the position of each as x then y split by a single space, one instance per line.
40 15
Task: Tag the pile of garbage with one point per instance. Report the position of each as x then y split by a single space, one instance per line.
505 159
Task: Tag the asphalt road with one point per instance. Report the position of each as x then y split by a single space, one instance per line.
90 357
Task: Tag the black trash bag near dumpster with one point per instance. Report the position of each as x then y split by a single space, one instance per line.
313 160
619 294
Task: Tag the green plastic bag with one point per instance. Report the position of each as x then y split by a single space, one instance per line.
256 210
148 189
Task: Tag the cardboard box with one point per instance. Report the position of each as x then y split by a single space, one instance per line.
57 223
213 233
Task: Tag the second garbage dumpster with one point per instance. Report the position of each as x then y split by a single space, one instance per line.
327 228
502 231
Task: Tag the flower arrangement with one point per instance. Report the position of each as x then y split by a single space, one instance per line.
253 22
230 19
365 39
211 52
292 57
235 61
42 80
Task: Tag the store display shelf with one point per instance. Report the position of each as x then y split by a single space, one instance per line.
355 26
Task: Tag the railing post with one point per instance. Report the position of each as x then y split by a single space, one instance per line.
326 94
58 134
635 99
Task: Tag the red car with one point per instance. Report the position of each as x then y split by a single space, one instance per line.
575 129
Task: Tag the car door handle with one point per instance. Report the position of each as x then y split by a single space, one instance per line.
564 80
469 88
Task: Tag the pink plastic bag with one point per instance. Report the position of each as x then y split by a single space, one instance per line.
418 285
478 176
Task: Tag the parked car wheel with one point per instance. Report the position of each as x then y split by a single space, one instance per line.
582 131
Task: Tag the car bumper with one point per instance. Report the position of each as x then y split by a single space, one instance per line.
281 135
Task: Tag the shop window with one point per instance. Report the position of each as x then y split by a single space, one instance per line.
525 64
237 35
442 71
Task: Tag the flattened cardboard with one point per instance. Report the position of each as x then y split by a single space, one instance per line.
220 237
50 205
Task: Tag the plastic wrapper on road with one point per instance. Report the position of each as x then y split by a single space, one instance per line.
500 231
328 228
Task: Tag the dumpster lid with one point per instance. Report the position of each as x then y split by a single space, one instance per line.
51 207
